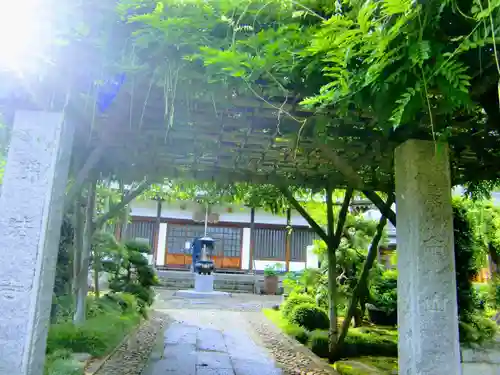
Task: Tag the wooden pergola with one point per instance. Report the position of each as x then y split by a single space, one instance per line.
247 139
231 137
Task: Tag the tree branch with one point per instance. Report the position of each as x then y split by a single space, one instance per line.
383 207
342 218
372 254
333 243
129 197
296 205
352 177
329 215
355 181
82 175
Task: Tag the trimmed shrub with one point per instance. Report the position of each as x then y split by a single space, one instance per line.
319 343
297 332
358 343
62 366
361 342
295 300
139 277
479 329
97 336
348 369
112 304
139 246
309 316
384 293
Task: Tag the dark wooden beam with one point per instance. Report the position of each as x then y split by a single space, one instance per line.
252 237
288 238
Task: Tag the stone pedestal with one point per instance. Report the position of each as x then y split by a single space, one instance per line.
31 207
427 303
203 288
204 283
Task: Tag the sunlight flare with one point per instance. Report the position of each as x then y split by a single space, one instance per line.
24 33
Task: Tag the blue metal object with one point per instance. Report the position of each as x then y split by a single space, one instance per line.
202 262
108 91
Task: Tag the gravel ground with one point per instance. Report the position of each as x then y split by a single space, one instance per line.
131 357
292 357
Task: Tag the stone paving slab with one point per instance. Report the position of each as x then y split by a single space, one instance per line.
207 342
246 367
211 340
214 360
214 371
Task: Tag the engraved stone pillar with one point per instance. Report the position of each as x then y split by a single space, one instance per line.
31 206
427 301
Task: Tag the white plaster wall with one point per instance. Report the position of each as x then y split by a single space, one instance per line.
311 258
245 249
185 211
143 208
162 244
260 265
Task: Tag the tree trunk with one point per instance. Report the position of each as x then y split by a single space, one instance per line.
363 300
79 227
358 318
362 283
97 292
126 199
333 243
80 313
125 223
494 262
97 256
332 297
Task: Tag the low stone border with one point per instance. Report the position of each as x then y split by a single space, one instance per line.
131 355
293 357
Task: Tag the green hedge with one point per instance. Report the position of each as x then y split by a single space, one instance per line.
293 301
309 316
61 363
97 336
297 332
109 319
359 342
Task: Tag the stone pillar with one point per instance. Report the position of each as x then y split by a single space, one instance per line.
427 301
31 208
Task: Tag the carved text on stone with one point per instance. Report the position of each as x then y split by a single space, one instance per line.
31 170
436 303
19 225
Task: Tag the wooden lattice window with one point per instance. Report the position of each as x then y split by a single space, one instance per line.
269 244
140 230
227 239
299 241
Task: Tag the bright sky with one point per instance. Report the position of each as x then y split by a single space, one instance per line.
23 32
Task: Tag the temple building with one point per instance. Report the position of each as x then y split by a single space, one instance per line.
168 226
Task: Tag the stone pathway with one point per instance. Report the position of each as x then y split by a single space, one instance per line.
210 338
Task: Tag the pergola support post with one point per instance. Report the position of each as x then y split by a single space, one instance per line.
288 239
427 299
156 231
252 238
